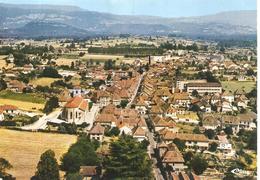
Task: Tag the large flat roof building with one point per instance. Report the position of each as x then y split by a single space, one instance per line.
202 88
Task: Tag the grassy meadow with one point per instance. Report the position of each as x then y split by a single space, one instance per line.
234 85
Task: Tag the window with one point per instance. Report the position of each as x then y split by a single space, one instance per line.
71 115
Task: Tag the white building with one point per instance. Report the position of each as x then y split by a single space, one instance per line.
203 88
182 84
224 146
75 110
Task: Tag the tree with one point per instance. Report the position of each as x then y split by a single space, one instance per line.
198 164
195 108
222 49
82 153
4 165
196 130
109 65
195 93
113 132
228 130
47 167
74 176
50 72
72 65
252 141
178 72
252 93
188 157
20 59
123 103
180 144
52 103
250 72
128 159
206 75
194 47
3 84
145 143
213 147
210 133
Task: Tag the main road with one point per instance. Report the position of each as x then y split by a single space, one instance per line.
136 91
42 122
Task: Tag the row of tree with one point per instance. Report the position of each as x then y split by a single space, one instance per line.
171 46
126 50
127 159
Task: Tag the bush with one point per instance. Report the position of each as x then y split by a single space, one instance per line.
7 123
112 132
228 130
180 144
213 147
50 72
199 164
210 133
52 103
123 103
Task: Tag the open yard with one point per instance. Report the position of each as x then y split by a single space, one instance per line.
23 149
64 61
102 58
43 81
234 85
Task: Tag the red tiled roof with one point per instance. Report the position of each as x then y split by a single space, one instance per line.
185 137
97 129
138 131
173 157
106 118
8 107
88 170
77 102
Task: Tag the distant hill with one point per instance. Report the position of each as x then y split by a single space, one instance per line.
48 20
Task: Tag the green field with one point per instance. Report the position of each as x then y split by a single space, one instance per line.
34 98
234 85
70 56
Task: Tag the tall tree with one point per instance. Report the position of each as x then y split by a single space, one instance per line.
52 103
199 164
50 72
128 159
47 167
180 144
82 153
3 85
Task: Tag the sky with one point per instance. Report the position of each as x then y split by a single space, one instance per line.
165 8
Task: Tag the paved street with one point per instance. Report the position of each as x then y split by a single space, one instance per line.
42 122
156 170
136 91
